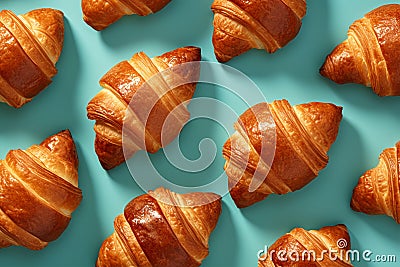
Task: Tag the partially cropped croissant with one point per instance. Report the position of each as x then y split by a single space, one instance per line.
326 247
378 190
133 88
39 191
263 24
162 228
99 14
370 55
303 135
30 46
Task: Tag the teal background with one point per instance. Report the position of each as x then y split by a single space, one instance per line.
370 124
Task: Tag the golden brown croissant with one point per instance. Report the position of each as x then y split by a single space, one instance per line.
370 55
99 14
30 46
39 191
303 134
326 247
378 190
162 228
262 24
127 80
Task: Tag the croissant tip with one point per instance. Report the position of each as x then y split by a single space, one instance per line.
342 225
222 58
322 70
106 160
193 47
106 166
47 14
63 145
353 205
65 131
196 51
48 10
95 27
327 69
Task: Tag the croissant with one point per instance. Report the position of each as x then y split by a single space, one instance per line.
39 191
99 14
262 24
162 228
147 86
378 189
303 135
370 55
30 46
326 247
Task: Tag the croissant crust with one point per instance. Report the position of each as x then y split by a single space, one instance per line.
370 55
263 24
297 138
378 189
142 92
162 228
326 247
99 14
39 189
30 45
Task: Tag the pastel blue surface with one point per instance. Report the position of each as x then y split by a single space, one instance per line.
370 124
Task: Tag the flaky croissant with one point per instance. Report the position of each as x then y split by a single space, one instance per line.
162 228
99 14
370 55
378 190
262 24
39 191
134 87
303 136
30 46
326 247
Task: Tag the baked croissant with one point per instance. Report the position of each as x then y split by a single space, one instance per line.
162 228
262 24
326 247
30 46
39 191
146 85
378 190
370 55
303 135
99 14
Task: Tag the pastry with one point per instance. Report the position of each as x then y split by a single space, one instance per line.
99 14
30 46
39 191
151 95
378 189
370 55
326 247
262 24
162 228
303 135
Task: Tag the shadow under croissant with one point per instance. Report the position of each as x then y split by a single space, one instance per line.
224 241
123 178
88 211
